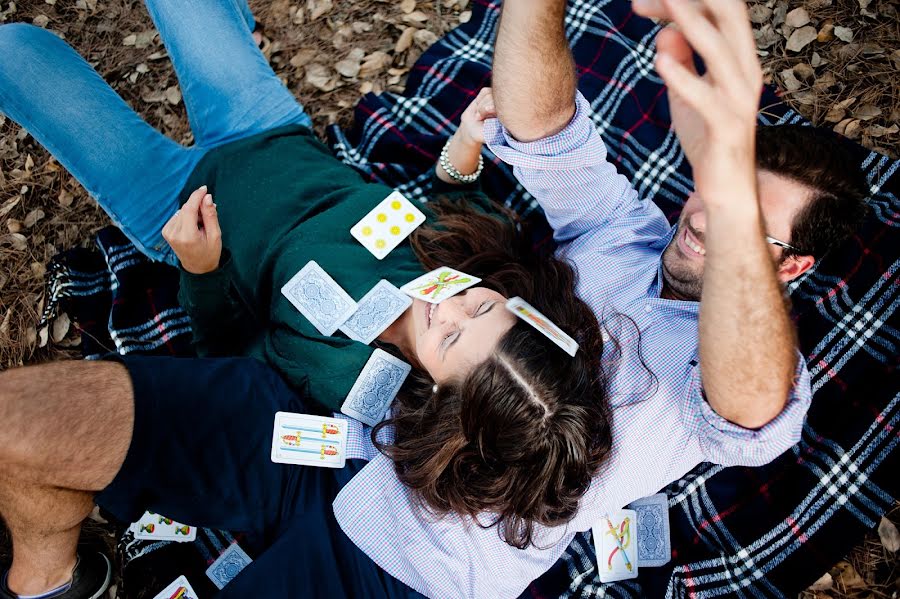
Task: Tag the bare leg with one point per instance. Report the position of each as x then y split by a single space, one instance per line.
67 429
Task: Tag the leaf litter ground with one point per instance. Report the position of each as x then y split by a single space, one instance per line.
835 61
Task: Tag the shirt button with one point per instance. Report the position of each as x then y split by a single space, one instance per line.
647 308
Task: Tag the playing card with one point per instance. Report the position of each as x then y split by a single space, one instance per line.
389 223
375 388
615 542
309 440
155 527
653 542
532 316
230 563
375 312
439 284
319 298
180 588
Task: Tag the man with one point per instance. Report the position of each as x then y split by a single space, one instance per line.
745 413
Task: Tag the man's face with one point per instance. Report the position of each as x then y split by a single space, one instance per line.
780 199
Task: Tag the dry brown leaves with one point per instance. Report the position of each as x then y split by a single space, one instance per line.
327 52
837 63
871 571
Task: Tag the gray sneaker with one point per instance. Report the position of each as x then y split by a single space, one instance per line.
91 578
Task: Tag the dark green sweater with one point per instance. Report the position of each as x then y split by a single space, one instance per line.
283 199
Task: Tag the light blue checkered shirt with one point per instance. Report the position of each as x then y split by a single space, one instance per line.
660 431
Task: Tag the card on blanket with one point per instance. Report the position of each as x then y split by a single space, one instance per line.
155 527
616 546
230 563
653 541
179 588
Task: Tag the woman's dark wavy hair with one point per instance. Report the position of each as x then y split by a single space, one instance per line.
521 437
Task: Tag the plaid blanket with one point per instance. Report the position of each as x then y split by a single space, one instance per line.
759 532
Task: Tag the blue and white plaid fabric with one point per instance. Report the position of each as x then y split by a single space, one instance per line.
766 531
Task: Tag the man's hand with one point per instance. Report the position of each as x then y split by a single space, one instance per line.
747 341
194 234
714 114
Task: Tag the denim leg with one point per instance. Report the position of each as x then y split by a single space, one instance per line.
229 89
134 172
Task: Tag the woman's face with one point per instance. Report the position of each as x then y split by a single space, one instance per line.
451 337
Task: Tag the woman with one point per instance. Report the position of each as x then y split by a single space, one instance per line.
495 419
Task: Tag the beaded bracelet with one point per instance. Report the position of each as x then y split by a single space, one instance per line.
455 174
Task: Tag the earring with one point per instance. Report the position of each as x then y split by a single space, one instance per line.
434 388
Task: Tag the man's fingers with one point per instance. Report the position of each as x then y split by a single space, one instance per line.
706 39
652 9
733 20
691 89
671 41
210 218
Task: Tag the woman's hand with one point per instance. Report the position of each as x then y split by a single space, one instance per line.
714 114
194 234
471 125
464 149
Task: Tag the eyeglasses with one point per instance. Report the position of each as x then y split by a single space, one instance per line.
782 244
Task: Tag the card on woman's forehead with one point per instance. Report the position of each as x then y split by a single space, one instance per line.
439 284
179 588
386 225
615 543
155 527
654 546
532 316
376 311
376 387
308 440
319 298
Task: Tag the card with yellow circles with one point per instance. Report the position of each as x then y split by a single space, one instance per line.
389 223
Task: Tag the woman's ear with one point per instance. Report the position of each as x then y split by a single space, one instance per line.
794 266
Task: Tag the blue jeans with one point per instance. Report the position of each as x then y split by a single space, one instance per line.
134 172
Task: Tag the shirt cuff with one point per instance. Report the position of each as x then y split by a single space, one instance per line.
733 445
577 145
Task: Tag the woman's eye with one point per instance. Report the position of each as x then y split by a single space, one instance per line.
482 308
449 338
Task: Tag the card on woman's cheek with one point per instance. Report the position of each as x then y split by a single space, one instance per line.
439 284
615 542
308 440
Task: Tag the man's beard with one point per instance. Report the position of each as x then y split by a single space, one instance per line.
680 280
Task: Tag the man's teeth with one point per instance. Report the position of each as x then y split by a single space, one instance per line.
694 246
